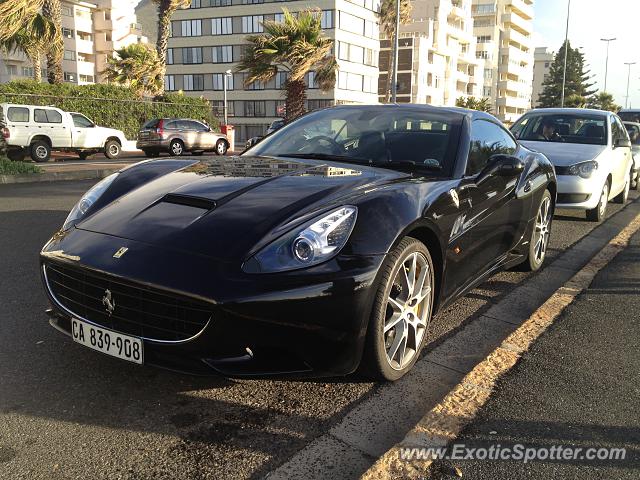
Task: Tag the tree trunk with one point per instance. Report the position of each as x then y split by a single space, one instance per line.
53 11
164 30
296 95
37 66
387 95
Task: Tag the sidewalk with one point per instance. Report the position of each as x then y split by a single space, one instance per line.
578 386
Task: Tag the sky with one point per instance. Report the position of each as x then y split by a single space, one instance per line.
591 20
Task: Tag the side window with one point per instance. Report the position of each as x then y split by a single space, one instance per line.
171 125
197 126
18 114
81 121
487 140
623 131
41 115
54 116
616 134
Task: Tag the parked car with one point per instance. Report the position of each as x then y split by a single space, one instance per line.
275 125
590 150
178 136
633 129
37 131
629 115
329 245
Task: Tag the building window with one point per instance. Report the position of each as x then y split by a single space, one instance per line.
351 23
281 80
218 81
67 10
26 71
222 54
70 77
220 3
254 108
248 2
218 108
191 55
483 54
326 20
317 104
252 24
311 80
85 36
350 81
195 4
86 78
69 55
169 83
193 82
67 33
486 92
191 28
278 17
483 39
169 56
221 26
488 73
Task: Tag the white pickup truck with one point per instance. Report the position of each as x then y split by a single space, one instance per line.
36 131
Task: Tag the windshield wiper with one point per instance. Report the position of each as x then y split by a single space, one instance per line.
326 156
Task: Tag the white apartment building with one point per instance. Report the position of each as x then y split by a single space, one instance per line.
543 58
91 31
503 30
436 57
209 38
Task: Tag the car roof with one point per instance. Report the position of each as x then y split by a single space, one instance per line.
590 111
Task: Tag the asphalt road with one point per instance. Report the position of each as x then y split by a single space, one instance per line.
571 389
67 412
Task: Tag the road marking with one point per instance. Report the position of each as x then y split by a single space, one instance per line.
443 423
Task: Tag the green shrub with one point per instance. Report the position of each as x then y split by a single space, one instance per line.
108 105
7 167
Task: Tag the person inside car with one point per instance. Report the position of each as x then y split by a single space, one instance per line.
549 132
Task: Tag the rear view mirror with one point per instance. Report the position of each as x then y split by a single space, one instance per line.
622 142
501 166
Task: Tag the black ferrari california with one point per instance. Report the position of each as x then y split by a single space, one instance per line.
327 246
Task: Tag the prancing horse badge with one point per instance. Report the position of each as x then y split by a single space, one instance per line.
121 251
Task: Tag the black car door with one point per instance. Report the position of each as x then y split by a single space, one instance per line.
492 218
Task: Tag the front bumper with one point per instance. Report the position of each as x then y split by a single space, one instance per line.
577 193
302 323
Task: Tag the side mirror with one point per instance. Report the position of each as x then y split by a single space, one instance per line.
501 166
622 142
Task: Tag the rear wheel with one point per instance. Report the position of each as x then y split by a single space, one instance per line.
112 149
221 147
176 148
40 151
401 312
598 213
540 235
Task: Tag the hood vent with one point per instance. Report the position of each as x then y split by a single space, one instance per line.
188 200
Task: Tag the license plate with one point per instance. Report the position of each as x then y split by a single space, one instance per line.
107 341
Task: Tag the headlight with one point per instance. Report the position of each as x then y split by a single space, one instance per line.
313 243
87 200
584 169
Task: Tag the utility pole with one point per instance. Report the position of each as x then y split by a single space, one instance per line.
566 51
626 100
606 65
396 44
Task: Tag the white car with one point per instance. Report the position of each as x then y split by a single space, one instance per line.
37 131
590 150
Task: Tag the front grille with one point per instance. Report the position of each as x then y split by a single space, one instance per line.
138 310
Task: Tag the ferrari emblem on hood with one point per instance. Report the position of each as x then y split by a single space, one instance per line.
121 251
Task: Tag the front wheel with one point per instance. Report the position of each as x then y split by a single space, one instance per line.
221 147
598 213
540 235
401 312
624 195
40 151
112 149
176 148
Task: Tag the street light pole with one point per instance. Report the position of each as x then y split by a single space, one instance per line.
606 65
566 49
626 100
224 103
396 44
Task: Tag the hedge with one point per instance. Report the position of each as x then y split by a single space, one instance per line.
108 105
8 167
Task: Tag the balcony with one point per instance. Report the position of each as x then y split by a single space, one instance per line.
514 36
513 102
518 23
523 8
516 54
84 46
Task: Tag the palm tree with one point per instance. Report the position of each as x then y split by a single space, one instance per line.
296 45
52 9
35 37
14 13
138 67
166 9
387 17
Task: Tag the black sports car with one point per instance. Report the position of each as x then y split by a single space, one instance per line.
328 245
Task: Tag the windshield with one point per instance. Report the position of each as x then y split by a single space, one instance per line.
630 116
568 128
393 137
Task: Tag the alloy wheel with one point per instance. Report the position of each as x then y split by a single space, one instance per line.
408 310
176 148
604 199
41 152
542 230
114 150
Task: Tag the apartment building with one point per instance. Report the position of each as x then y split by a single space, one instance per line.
91 31
436 56
503 30
209 39
543 58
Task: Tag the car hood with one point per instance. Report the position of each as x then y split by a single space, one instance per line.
565 154
223 207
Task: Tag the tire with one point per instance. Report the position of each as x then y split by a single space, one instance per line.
40 151
598 213
636 181
112 149
221 147
623 196
394 299
84 155
540 234
17 155
176 148
151 153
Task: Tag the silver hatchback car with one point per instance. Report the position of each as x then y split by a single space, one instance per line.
179 135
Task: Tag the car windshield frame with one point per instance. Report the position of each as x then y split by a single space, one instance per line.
343 130
529 128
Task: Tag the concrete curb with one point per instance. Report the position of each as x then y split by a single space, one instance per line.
59 176
443 423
